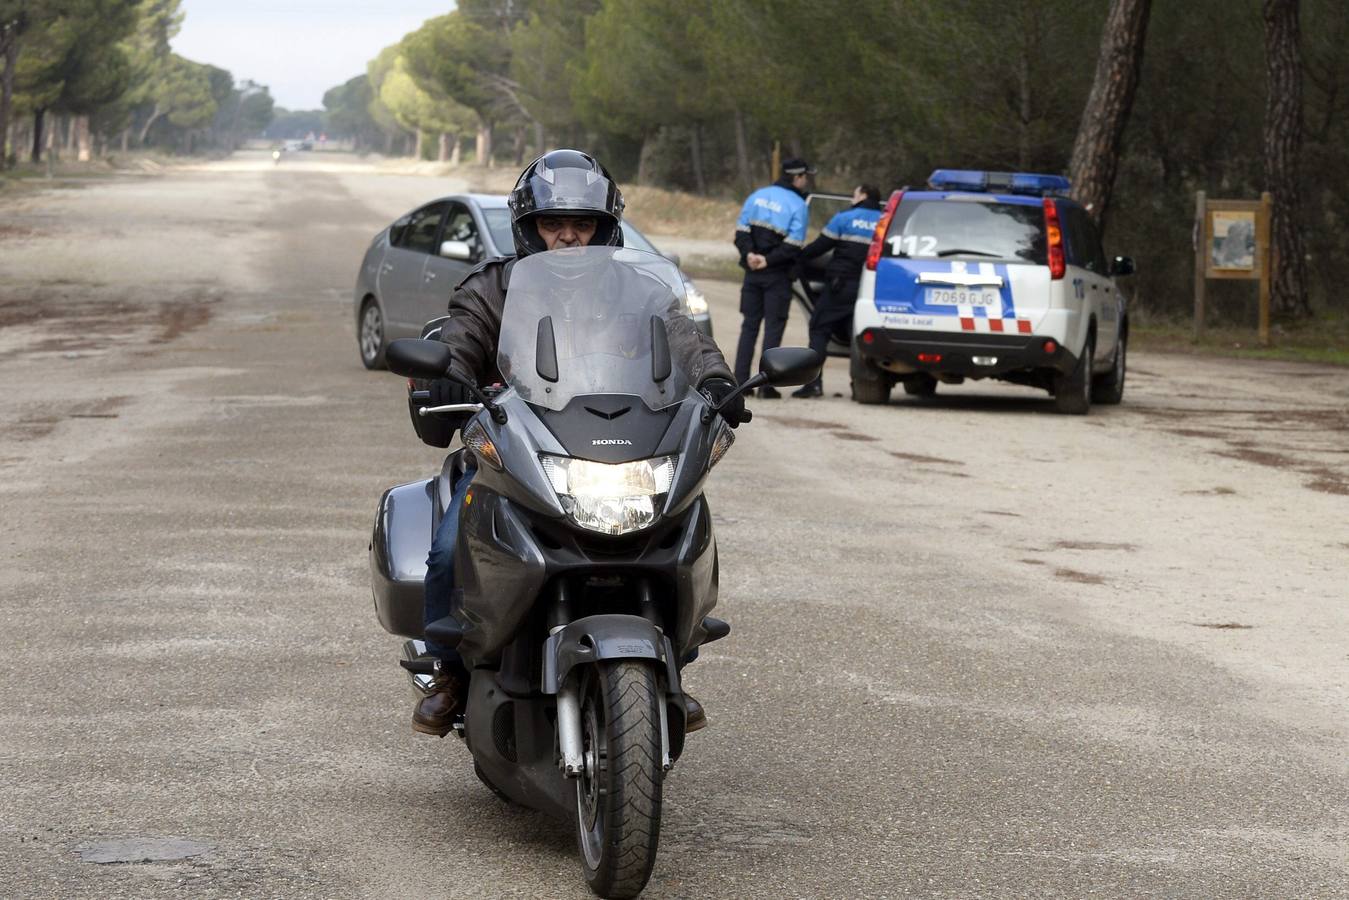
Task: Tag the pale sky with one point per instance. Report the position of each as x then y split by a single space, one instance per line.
298 48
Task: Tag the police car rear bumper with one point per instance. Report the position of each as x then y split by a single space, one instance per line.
972 355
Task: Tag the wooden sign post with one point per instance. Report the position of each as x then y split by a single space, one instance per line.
1231 240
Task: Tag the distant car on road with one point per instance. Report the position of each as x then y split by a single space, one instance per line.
990 275
411 267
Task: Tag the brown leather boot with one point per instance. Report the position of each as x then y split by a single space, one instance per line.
695 717
436 711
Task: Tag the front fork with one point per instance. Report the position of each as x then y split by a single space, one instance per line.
571 750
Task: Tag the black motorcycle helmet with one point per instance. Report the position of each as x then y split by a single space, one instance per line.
565 182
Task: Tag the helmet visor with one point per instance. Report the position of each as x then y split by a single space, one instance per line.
567 190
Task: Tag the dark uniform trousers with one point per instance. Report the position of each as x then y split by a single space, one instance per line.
832 316
764 300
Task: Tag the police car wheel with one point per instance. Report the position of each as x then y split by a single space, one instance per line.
920 385
1072 392
871 392
1108 389
870 384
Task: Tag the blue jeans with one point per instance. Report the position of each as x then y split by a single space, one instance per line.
440 568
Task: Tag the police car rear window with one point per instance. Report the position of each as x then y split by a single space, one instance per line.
945 228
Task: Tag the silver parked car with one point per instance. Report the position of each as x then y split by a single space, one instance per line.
413 265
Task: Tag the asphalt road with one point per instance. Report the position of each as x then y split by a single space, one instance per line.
979 649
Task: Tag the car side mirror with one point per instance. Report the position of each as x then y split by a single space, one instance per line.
674 258
456 250
416 358
1122 265
787 366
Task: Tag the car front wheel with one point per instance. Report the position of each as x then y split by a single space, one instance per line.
370 336
1108 389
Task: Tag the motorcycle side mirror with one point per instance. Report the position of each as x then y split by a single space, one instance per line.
787 366
416 358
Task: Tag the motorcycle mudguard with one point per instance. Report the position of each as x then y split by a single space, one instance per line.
404 527
597 638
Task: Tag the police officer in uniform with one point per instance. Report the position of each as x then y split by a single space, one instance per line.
769 235
849 235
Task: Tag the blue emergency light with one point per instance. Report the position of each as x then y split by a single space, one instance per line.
998 182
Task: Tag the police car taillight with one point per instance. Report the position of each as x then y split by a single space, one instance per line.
1054 239
882 226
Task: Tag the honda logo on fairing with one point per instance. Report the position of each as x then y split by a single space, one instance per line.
611 442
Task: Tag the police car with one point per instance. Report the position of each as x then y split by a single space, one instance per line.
990 275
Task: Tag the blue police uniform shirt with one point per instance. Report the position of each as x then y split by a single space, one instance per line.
776 209
856 224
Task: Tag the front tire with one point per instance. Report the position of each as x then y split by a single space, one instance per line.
920 385
618 797
371 338
1108 389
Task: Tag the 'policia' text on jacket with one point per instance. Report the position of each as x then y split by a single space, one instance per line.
773 223
849 235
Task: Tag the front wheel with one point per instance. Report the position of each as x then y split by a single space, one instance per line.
618 796
1108 389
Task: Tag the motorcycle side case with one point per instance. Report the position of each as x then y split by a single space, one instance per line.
404 527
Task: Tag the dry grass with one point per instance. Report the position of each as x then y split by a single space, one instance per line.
1323 339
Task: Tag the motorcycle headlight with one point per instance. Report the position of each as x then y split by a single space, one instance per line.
611 498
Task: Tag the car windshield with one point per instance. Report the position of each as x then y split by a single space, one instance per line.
597 320
499 223
938 229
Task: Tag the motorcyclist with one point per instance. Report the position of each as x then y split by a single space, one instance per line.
563 199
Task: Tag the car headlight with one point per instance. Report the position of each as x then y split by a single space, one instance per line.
697 300
611 498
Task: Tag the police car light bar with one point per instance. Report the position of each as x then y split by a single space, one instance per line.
1001 182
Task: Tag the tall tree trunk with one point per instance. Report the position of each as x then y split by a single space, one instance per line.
7 98
126 138
443 148
1096 151
480 145
696 157
1024 95
1283 153
454 151
539 148
154 117
743 171
644 162
39 119
82 142
485 133
417 149
519 149
72 130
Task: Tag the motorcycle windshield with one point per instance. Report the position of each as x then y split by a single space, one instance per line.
597 320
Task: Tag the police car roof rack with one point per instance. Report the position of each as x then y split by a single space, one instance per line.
998 182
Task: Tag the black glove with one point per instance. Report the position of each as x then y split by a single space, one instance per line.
718 389
438 430
444 392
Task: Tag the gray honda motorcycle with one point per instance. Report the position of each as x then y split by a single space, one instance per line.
586 566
